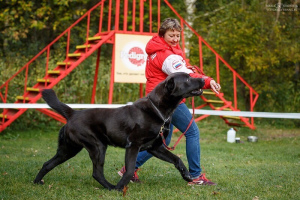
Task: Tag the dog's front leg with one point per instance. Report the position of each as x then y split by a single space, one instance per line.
163 154
130 159
97 152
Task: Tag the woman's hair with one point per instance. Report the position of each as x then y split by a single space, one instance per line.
169 24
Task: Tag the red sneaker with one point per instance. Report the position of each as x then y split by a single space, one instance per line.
201 180
134 179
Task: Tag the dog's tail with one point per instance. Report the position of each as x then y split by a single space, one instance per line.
50 97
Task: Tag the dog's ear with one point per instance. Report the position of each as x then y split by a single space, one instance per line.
170 85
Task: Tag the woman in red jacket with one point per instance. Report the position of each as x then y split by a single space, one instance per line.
164 58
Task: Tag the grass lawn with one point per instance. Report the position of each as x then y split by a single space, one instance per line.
268 169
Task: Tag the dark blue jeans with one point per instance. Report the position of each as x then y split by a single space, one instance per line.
181 119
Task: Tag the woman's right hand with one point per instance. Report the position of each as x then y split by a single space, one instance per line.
216 87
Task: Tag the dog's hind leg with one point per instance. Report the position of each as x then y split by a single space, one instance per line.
97 154
66 150
165 155
130 159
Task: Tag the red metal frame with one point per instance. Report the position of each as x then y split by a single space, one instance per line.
108 36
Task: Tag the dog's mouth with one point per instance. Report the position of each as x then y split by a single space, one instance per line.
197 92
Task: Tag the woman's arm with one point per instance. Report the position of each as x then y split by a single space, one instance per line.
175 63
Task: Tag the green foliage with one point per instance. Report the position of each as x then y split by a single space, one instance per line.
32 24
261 45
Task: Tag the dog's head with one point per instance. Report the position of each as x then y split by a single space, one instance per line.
183 85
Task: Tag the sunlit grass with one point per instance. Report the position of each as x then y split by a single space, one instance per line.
268 169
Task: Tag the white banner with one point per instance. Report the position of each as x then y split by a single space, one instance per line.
130 58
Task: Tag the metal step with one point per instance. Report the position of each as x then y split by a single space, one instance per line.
209 92
94 38
231 117
63 63
3 116
228 109
42 80
74 55
84 46
21 98
33 89
55 72
215 101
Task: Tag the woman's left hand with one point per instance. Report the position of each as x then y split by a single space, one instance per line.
216 87
191 67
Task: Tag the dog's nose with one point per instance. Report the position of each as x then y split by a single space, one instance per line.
202 82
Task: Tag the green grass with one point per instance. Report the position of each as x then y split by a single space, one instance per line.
268 169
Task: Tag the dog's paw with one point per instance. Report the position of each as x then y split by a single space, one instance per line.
188 178
121 188
41 182
186 175
112 187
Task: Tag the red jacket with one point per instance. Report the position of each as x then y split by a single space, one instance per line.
163 60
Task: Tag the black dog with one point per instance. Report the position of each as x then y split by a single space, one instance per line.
135 127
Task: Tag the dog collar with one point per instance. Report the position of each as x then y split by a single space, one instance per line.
159 113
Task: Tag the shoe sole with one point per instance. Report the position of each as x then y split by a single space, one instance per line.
120 173
194 184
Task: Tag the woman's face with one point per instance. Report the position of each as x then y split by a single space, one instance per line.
172 37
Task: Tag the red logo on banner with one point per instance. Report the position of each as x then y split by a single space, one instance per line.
136 56
133 56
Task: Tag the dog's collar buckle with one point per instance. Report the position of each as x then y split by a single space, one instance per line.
162 129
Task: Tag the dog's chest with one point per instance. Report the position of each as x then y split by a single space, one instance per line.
150 143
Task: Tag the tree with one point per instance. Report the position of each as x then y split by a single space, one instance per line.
261 44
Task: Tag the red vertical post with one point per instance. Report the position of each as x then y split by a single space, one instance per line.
125 15
217 69
109 16
251 106
101 17
96 76
234 90
182 38
150 16
200 54
133 15
141 15
47 60
141 90
158 14
87 30
112 75
68 43
6 91
117 16
25 84
4 99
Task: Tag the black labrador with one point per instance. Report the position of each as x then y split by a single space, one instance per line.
135 127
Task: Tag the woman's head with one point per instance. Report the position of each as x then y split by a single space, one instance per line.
169 24
170 30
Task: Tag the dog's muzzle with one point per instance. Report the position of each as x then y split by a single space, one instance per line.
197 92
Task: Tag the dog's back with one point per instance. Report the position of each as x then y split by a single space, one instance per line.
50 97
